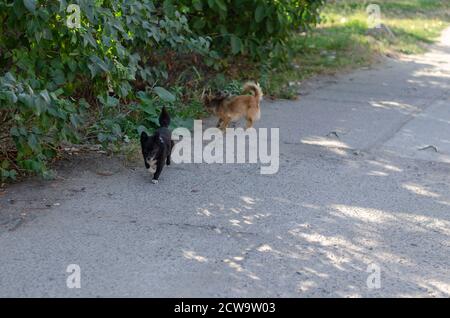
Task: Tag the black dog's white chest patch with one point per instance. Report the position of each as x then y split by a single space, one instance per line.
152 165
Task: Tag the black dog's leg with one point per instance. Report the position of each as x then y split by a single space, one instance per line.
159 168
170 153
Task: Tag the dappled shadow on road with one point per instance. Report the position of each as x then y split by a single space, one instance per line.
298 247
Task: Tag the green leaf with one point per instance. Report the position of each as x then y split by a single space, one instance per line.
235 44
102 65
5 164
58 77
26 99
259 13
197 5
74 120
110 101
44 94
222 6
72 65
116 130
12 97
89 39
164 94
169 8
30 5
15 132
141 128
199 24
7 174
33 142
269 26
102 137
93 69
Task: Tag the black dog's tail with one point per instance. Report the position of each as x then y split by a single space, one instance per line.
164 118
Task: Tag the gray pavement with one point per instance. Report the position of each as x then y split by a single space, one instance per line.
364 179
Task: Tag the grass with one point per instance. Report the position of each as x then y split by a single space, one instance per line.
342 42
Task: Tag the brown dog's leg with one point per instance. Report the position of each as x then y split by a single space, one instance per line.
219 123
249 123
225 123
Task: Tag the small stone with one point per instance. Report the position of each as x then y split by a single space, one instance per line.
429 147
333 133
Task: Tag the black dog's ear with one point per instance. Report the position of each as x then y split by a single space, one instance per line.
164 118
144 136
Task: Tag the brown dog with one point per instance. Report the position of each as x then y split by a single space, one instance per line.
232 108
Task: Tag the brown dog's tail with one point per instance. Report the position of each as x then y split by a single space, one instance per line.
255 88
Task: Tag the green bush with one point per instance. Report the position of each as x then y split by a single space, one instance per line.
52 76
258 28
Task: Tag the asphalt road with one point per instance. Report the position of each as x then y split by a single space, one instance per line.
363 184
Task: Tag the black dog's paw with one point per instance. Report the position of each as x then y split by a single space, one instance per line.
154 181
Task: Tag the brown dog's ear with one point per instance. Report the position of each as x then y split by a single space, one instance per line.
207 96
221 95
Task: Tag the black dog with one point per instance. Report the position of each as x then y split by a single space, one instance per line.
157 148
